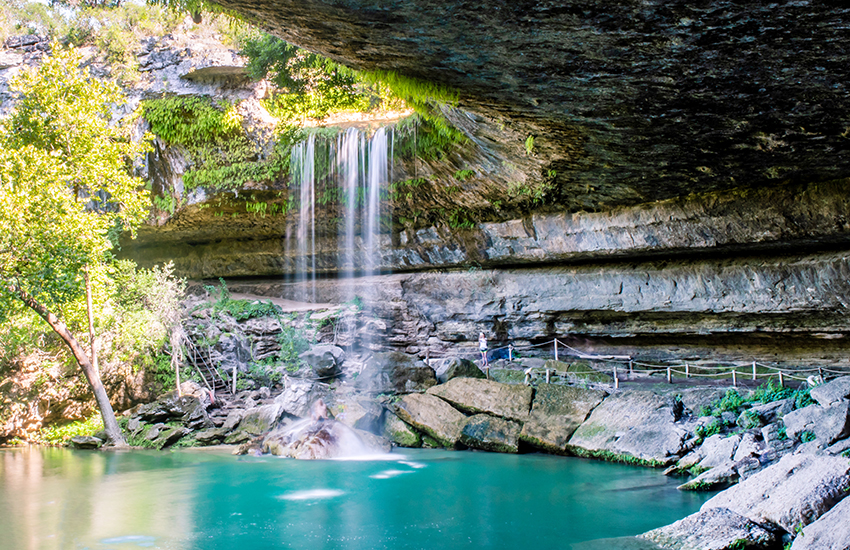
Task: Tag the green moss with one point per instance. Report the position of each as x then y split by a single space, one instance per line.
609 456
58 435
807 436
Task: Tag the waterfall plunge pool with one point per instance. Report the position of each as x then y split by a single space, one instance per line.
207 499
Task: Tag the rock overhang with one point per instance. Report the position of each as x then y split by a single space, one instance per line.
628 102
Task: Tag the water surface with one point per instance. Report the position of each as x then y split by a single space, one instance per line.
413 499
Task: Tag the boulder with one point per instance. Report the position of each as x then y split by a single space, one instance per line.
475 396
455 367
433 416
395 372
718 449
491 433
321 439
362 414
259 420
324 359
747 447
556 413
639 424
829 424
718 477
830 532
299 395
169 407
773 411
399 432
796 490
714 529
169 436
211 436
84 442
832 392
577 371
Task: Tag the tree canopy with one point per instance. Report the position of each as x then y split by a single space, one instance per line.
66 192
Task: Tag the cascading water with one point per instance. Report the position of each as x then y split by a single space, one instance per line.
355 181
303 161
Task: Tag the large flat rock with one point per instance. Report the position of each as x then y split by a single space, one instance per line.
491 433
830 532
557 411
714 529
640 424
476 396
795 491
433 416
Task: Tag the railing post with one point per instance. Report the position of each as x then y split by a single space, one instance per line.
547 376
820 374
687 370
556 349
669 376
754 370
510 353
631 365
781 380
734 378
234 380
616 379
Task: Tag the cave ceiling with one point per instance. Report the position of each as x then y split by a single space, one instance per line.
628 101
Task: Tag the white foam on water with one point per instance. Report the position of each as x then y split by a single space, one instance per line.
387 474
416 465
138 540
312 494
378 457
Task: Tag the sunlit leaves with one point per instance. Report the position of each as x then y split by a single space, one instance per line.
64 180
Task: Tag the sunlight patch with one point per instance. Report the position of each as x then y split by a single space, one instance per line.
312 494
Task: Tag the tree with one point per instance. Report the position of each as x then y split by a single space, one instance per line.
66 193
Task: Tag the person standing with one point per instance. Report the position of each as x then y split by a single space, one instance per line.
482 347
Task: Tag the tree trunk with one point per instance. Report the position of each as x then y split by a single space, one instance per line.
90 312
113 431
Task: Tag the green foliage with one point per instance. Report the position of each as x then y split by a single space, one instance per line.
740 544
292 344
222 154
58 435
532 192
529 145
807 436
615 457
712 428
241 310
427 136
463 175
460 218
64 183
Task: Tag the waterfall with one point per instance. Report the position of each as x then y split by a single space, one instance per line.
302 163
350 188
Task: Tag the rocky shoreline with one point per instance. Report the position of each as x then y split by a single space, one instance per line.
782 454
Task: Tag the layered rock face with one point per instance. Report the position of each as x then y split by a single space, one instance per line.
628 102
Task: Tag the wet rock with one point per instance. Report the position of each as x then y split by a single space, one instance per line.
168 436
400 433
85 442
362 414
395 372
260 420
491 433
832 392
324 359
475 396
796 490
640 424
556 412
839 447
828 424
718 477
299 395
322 439
433 416
211 436
455 367
830 532
714 529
